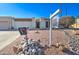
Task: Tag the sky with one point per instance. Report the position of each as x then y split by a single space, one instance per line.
37 10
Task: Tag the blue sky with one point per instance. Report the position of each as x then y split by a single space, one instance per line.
28 10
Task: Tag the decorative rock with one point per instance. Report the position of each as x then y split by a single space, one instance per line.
74 44
32 47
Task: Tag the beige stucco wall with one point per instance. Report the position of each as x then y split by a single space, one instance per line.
42 25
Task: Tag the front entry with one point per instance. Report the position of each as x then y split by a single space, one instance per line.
47 24
37 24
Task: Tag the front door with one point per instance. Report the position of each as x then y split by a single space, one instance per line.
47 24
37 24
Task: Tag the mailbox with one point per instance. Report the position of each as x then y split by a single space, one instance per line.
23 30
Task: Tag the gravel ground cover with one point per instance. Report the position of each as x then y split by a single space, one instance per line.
58 37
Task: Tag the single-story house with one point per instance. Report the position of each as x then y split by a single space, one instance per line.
9 23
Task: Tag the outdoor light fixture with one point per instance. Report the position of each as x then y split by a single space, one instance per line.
50 31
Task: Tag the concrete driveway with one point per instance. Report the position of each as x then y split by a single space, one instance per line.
7 37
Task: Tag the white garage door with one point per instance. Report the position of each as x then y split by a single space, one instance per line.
23 24
4 25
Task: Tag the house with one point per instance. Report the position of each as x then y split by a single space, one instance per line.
8 23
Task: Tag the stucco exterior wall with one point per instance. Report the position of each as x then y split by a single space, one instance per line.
42 25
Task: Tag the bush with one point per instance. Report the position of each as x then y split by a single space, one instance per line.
66 21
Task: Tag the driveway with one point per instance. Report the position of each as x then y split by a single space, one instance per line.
7 37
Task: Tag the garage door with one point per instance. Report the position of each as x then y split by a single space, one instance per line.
23 24
4 25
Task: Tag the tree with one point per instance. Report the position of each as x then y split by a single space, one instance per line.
66 21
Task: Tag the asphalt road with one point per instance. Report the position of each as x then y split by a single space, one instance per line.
7 37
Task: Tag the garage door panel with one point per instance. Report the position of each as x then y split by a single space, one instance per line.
4 25
23 24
